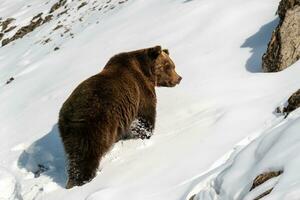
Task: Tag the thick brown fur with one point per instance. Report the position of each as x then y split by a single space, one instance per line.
101 109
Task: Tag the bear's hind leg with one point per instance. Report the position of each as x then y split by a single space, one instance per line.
85 153
82 169
83 157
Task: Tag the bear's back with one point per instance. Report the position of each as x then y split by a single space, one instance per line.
99 97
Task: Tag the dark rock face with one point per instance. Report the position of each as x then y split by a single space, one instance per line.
286 5
293 103
284 47
270 60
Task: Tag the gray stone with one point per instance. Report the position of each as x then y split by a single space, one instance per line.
284 47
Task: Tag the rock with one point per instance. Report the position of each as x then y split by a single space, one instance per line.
62 13
284 47
27 29
1 36
47 18
5 41
56 48
278 110
57 5
285 5
262 178
41 169
81 5
10 29
37 16
9 80
293 103
47 41
6 23
264 194
58 27
35 22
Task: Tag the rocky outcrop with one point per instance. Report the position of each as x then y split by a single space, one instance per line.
10 29
5 26
261 179
6 23
293 103
57 5
286 5
36 21
284 47
60 10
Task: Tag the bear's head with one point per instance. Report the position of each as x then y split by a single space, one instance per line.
163 68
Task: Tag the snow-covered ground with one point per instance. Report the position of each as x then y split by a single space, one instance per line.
204 125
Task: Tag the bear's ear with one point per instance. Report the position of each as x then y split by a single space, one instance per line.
154 52
166 51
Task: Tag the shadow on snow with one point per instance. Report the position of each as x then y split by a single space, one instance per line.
258 44
46 156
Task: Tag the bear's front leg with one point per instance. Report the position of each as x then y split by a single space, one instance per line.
141 128
146 119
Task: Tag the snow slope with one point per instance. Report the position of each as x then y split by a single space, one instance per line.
276 149
223 99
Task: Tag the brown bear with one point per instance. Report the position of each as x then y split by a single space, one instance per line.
101 110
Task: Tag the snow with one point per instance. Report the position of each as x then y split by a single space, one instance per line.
8 185
224 107
274 150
